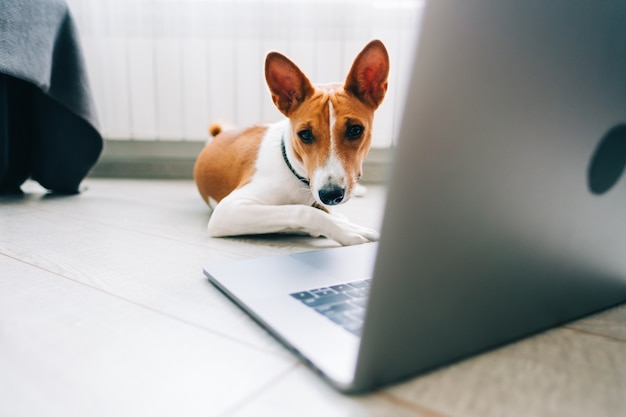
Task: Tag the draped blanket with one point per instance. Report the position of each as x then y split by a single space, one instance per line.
48 123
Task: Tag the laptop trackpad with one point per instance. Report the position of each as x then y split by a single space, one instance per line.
346 263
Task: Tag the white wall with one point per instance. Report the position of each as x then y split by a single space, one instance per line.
165 69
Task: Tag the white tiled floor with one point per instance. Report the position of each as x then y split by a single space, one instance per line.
104 311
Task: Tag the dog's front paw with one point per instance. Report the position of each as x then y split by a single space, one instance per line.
353 234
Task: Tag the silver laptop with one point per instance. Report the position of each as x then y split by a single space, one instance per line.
505 214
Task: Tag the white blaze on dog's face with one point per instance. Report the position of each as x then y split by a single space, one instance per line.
331 124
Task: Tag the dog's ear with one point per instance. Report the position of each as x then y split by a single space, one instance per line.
288 84
367 79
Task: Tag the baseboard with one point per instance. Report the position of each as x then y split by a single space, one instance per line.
175 160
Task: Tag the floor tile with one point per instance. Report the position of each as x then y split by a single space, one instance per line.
70 350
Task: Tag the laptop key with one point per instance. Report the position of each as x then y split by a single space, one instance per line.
341 287
361 302
322 292
330 309
328 299
357 313
349 323
343 319
358 292
360 284
302 295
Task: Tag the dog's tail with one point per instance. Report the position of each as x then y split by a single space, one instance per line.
216 128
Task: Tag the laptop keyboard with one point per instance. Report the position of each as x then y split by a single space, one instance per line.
343 304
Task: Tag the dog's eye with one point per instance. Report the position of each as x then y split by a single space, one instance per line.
306 136
354 132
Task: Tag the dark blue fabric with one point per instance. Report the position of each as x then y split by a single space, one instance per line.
48 122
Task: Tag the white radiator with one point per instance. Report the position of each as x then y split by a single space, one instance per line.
165 69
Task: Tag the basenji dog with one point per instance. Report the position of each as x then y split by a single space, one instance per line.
283 177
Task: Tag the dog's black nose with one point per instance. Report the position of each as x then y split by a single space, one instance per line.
331 195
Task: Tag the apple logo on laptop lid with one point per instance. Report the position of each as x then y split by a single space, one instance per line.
608 161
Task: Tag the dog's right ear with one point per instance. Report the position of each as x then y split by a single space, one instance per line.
288 84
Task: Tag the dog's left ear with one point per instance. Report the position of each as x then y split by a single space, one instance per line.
367 79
